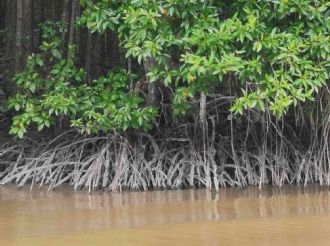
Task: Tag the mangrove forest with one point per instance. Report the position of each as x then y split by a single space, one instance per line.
164 94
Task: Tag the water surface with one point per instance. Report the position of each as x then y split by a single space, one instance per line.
235 216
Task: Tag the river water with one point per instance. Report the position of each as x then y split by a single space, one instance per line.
234 216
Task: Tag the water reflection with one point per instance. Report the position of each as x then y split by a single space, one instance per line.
63 212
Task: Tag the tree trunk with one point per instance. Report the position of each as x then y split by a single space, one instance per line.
153 87
202 108
74 9
19 36
89 56
37 19
66 11
27 29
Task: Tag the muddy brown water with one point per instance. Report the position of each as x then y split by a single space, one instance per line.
235 216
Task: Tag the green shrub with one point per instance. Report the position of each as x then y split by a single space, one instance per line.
52 87
279 50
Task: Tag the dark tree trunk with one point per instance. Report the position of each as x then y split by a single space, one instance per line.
19 36
27 28
153 87
74 10
89 56
37 14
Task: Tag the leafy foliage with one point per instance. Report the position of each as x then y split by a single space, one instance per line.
277 49
53 87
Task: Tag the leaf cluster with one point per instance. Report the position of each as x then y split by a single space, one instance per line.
277 49
52 87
